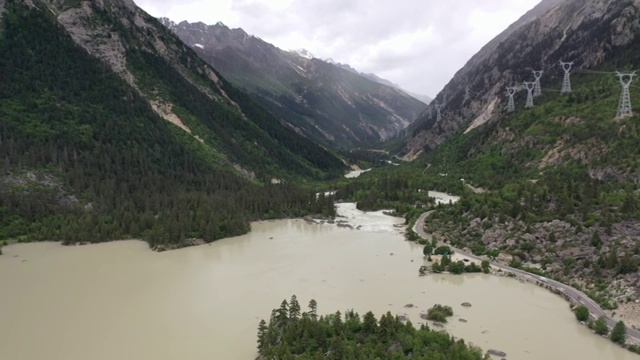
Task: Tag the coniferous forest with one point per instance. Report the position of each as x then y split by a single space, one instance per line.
83 158
293 334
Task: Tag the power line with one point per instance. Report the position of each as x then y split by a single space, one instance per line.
537 89
566 82
439 116
511 91
624 107
587 71
530 86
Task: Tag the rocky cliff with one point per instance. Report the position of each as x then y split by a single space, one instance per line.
111 128
589 33
317 98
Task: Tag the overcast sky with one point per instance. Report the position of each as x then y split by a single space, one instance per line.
418 44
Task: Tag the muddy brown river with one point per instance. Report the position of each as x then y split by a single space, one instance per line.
120 300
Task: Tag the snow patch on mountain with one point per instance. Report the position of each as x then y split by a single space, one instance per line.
303 53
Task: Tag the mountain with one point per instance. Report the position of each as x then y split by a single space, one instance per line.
553 188
423 98
318 99
111 127
555 30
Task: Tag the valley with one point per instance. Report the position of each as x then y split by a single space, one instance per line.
328 102
164 185
173 304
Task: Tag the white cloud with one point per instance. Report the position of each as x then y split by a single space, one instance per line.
418 44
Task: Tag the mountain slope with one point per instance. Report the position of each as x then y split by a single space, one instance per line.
555 187
318 99
87 151
424 98
589 33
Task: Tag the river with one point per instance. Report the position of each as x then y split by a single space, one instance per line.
120 300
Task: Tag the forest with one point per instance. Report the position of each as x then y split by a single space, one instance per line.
295 334
83 158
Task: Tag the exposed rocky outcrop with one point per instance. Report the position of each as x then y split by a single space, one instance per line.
586 32
568 252
497 353
326 101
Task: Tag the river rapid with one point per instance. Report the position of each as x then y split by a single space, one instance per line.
120 300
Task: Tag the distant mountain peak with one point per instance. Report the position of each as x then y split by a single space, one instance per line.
304 53
331 103
552 31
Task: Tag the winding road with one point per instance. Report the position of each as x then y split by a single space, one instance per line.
578 296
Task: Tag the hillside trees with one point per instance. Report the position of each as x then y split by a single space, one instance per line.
83 158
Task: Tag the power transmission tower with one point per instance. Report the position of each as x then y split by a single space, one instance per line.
537 89
511 91
624 107
439 116
467 95
566 83
530 86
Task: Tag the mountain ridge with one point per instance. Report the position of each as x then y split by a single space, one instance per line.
318 99
530 43
554 188
87 156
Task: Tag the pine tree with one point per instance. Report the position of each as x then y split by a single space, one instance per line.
294 308
313 308
262 330
282 314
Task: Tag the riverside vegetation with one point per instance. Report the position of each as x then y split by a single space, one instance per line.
293 334
569 209
599 326
84 158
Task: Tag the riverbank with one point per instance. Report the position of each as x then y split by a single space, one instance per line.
574 296
213 296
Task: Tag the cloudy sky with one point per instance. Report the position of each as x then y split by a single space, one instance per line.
418 44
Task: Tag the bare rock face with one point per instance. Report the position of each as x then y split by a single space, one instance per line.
585 32
296 87
497 353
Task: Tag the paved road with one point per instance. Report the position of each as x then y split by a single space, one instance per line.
575 294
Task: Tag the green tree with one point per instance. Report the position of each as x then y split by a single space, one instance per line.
443 250
436 267
294 308
456 267
595 240
582 313
427 250
445 261
262 330
328 337
600 326
439 313
282 314
486 266
619 333
313 309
